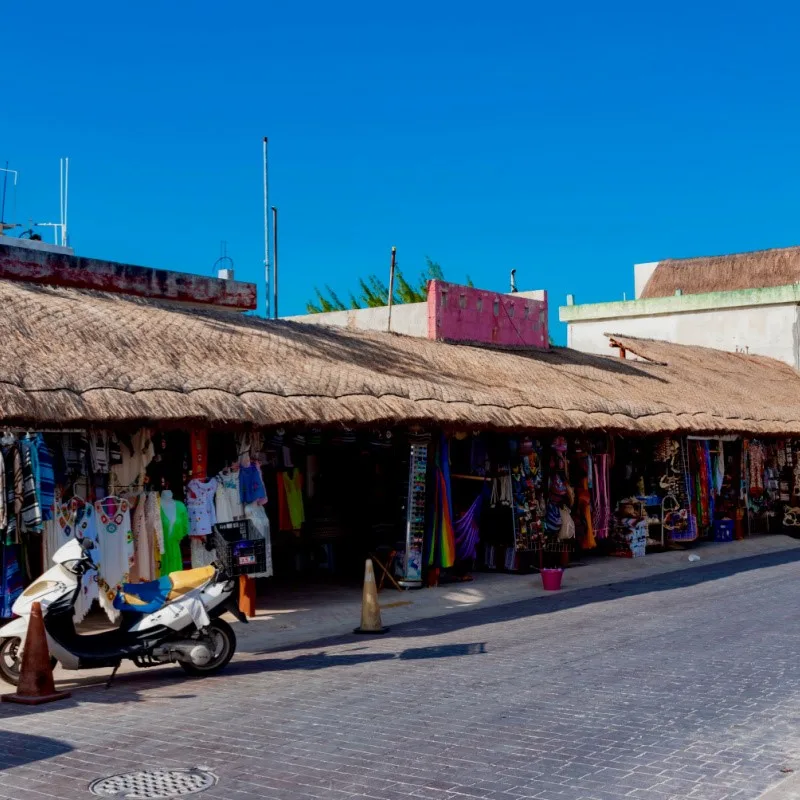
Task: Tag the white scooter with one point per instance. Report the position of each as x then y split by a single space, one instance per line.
172 619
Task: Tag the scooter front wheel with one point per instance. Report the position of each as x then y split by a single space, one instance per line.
223 646
11 660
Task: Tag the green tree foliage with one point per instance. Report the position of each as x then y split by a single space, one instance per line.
373 292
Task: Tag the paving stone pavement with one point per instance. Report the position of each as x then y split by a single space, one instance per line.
685 685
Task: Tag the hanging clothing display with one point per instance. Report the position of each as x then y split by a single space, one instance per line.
115 535
227 500
15 487
11 582
260 522
200 505
74 447
601 497
47 482
175 524
442 544
293 489
135 456
3 499
76 520
99 452
200 554
143 563
467 527
251 484
154 529
31 508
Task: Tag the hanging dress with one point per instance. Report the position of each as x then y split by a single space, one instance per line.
200 506
115 534
143 568
260 521
226 499
76 520
202 517
293 487
155 529
174 530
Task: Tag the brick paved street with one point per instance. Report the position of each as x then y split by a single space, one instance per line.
685 685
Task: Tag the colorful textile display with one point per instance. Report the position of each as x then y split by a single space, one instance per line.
601 498
10 577
76 520
251 484
115 537
442 552
200 506
31 505
47 482
702 494
227 499
175 524
467 527
294 512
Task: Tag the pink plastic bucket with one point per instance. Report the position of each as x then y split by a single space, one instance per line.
551 579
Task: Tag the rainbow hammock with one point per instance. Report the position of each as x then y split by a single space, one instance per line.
442 552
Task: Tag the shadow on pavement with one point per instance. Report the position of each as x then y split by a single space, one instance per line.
128 686
691 575
18 749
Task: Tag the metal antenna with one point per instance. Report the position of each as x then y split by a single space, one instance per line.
64 239
275 261
3 207
266 231
4 226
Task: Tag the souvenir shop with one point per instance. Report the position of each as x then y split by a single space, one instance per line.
428 508
678 490
150 501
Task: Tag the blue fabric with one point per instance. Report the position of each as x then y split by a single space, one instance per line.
10 578
153 594
47 480
251 485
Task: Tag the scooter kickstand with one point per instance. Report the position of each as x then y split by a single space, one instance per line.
113 673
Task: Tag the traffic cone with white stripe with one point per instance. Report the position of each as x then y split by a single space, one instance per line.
370 610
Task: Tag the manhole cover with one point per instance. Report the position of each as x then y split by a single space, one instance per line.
154 784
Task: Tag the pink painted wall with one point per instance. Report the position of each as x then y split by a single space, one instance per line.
462 314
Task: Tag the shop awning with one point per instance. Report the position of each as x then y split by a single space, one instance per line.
73 357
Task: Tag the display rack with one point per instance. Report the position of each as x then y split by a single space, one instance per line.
411 567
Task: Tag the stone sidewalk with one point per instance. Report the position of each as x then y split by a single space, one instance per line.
293 616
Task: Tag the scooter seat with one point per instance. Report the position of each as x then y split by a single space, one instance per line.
150 596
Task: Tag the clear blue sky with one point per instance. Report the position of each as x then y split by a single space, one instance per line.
568 140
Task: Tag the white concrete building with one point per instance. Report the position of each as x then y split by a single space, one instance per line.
748 302
410 319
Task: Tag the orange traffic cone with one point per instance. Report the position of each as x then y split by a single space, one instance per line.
36 675
370 610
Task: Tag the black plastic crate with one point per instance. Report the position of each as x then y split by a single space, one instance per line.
238 550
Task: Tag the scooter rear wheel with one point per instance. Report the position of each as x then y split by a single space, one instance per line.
224 642
10 660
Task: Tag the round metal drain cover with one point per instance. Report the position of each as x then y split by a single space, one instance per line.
154 784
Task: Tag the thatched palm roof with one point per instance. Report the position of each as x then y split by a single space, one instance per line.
755 270
73 357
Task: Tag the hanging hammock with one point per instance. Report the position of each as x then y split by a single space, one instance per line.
442 552
467 527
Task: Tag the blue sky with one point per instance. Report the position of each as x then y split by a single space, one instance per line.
566 140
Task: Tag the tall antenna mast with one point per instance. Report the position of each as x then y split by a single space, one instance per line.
266 231
64 240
